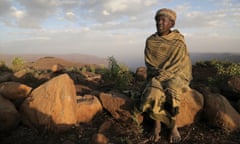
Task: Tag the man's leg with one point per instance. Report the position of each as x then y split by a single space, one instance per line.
175 136
156 131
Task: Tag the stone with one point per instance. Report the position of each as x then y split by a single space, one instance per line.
218 112
52 105
141 73
119 105
191 105
14 90
87 107
9 116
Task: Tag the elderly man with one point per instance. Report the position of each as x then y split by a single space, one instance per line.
169 70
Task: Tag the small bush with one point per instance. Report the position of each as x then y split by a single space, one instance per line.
117 74
224 70
84 69
92 69
17 63
4 67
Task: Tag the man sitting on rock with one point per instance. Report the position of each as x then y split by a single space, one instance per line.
169 70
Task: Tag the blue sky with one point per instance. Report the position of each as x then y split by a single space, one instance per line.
116 28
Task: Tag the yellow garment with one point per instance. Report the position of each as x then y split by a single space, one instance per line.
153 100
169 70
168 57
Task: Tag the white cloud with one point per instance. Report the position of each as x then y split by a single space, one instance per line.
117 6
105 12
18 14
150 2
25 13
5 7
70 16
107 28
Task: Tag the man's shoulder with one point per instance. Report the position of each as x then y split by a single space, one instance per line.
178 33
152 36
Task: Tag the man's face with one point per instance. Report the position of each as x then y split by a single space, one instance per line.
163 24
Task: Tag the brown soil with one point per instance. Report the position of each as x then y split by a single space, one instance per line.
118 133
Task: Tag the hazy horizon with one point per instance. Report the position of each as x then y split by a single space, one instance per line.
113 28
132 62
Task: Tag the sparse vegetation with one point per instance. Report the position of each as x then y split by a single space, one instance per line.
118 74
17 63
92 69
223 69
84 69
4 67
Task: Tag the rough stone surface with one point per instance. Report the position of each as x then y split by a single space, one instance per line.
191 105
14 90
218 112
117 104
52 105
141 73
87 107
9 116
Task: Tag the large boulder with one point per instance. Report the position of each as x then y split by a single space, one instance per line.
219 112
234 84
52 105
141 73
119 105
9 116
238 106
5 76
99 139
87 107
191 105
14 90
57 68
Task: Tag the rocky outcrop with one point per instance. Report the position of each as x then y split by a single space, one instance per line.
57 68
191 106
5 76
14 90
218 112
99 138
9 116
52 105
117 104
87 107
141 74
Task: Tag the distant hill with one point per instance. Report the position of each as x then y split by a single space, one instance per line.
135 62
76 58
132 62
233 57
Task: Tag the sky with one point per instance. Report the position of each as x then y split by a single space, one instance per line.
116 28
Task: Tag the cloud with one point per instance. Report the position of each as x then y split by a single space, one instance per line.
25 13
107 28
226 13
5 7
70 16
18 14
105 12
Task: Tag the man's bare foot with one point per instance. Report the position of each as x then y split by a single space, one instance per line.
175 136
154 137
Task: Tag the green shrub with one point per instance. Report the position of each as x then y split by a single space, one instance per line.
17 63
84 69
92 69
4 67
224 70
118 74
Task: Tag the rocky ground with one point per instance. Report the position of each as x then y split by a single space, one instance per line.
118 133
105 127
